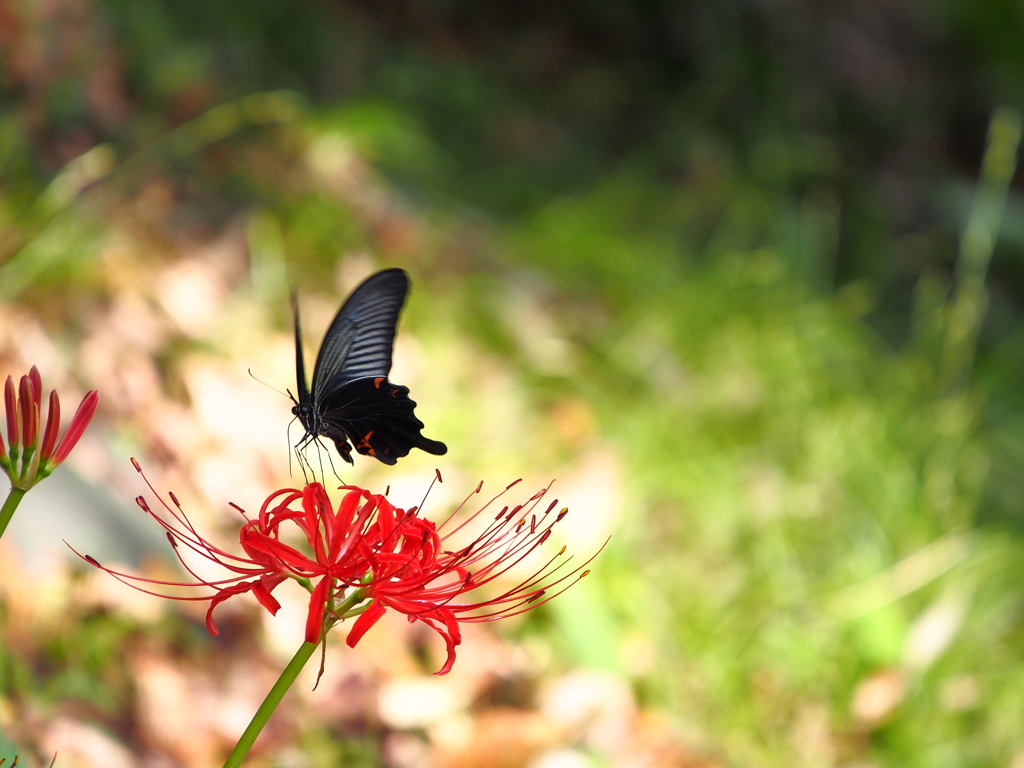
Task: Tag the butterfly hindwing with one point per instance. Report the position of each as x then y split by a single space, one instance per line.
377 416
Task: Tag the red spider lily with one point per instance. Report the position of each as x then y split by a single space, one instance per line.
27 461
430 584
366 556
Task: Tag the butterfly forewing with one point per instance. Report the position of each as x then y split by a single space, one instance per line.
300 365
359 340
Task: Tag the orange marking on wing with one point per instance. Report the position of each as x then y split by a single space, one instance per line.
365 444
377 381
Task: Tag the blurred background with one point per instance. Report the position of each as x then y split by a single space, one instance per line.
736 275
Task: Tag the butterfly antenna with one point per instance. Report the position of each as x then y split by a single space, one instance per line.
268 386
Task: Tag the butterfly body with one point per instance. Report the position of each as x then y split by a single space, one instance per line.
351 400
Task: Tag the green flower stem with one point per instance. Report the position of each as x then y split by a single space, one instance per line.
269 704
11 504
287 677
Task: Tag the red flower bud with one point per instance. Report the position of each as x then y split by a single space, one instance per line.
78 424
52 426
11 405
29 414
26 461
37 386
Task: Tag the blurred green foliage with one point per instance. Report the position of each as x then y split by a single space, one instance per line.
741 220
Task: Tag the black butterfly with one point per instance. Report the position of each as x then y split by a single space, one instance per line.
351 397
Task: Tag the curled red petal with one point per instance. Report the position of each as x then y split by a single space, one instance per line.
220 597
317 602
77 426
52 427
263 549
366 620
446 625
261 591
449 662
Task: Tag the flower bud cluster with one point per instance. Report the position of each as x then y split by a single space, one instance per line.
32 450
